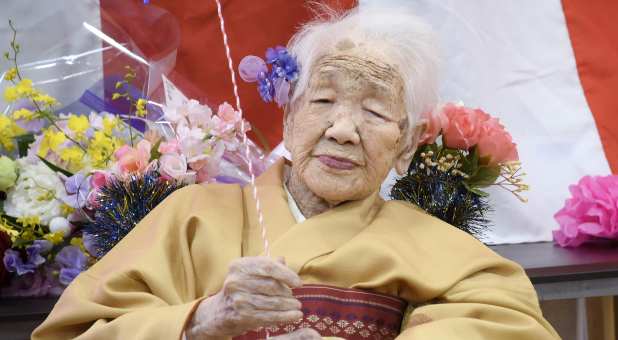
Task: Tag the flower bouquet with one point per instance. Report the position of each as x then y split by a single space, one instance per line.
73 185
462 151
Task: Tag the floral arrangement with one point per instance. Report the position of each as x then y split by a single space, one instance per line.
62 175
273 84
462 151
590 214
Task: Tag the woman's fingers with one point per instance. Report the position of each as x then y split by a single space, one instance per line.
259 303
266 267
259 285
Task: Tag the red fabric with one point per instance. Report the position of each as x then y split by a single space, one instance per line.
351 314
252 26
593 30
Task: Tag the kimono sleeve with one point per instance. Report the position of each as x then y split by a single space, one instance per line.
149 284
495 303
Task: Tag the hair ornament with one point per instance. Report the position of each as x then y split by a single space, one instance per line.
273 84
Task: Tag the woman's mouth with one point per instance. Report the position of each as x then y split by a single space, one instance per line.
337 162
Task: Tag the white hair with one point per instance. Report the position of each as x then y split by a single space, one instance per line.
408 40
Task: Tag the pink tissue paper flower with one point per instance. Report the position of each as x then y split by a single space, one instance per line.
591 212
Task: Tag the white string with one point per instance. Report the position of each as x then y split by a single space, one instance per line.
230 65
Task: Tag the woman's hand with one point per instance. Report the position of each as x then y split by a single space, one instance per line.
257 292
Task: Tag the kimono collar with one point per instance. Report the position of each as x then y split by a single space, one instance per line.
299 243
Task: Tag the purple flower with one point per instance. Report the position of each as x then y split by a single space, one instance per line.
77 188
284 65
273 84
250 67
35 250
41 282
274 53
13 261
266 87
14 264
72 262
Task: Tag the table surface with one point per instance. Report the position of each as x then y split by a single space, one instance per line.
545 262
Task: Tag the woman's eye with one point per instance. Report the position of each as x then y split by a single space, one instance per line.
375 114
322 101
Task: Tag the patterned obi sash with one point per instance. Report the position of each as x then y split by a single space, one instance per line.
345 313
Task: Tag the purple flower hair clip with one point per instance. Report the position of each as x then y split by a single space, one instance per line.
273 84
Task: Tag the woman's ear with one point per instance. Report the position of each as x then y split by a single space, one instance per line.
287 126
402 163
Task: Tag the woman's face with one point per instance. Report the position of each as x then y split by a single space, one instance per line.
346 131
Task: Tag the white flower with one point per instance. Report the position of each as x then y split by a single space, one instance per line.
61 225
175 166
37 192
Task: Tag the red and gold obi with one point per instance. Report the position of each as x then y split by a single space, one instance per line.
351 314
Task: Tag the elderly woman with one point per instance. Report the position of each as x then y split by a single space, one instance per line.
342 261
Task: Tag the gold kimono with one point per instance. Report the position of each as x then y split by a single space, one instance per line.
150 283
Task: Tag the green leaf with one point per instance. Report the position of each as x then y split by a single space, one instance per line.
55 167
23 143
471 163
476 191
485 176
154 151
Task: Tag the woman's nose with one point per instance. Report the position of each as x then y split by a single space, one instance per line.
343 130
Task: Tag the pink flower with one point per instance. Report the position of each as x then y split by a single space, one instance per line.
229 120
98 179
175 166
463 128
227 113
208 172
495 143
436 120
170 146
133 159
591 212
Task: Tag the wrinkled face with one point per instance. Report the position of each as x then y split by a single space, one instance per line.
346 131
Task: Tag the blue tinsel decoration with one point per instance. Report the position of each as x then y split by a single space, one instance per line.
443 195
122 203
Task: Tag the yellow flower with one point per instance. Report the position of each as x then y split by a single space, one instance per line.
140 107
8 229
54 238
27 235
10 94
29 221
78 124
66 210
109 124
73 156
116 96
21 90
10 74
79 242
24 88
9 130
23 114
44 99
101 149
51 141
